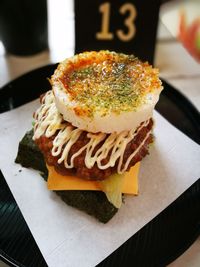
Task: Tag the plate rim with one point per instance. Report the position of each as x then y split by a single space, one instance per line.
3 90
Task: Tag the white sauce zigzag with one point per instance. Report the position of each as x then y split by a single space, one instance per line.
48 121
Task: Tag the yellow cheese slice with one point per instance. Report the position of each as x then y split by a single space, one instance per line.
57 181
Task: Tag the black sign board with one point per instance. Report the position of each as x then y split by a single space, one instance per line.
117 25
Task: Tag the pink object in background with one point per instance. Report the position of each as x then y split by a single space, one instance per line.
189 35
182 19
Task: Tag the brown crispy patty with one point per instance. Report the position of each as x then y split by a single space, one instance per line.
45 144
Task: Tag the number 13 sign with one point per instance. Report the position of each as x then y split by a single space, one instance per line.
128 21
122 26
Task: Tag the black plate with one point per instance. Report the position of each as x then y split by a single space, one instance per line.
158 243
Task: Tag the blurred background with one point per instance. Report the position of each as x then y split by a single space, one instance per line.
167 33
34 34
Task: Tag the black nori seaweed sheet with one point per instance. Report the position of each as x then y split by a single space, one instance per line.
29 155
94 203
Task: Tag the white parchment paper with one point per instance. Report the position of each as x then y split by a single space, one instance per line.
68 237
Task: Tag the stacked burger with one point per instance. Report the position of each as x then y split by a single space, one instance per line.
95 125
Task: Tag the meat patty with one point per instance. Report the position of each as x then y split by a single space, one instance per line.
45 144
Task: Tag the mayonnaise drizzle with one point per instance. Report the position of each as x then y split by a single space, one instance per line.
48 121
